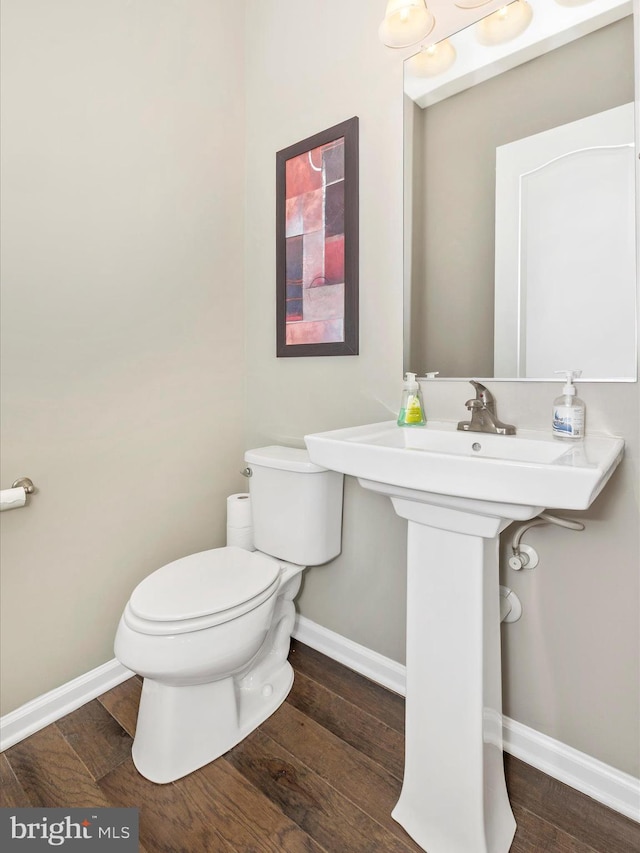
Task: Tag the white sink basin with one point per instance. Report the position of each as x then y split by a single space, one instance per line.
529 468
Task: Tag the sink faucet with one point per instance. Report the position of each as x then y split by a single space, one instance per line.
483 413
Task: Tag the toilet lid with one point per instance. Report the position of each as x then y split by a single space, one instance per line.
203 584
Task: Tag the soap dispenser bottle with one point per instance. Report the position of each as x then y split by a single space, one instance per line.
568 410
411 407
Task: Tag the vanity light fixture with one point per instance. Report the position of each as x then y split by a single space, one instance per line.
432 59
406 22
505 24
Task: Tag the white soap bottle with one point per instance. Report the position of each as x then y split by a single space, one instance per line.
568 410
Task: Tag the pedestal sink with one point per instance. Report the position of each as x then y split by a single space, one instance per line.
458 491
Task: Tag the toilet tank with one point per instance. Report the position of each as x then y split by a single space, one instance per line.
296 506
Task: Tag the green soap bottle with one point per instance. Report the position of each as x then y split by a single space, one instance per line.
411 408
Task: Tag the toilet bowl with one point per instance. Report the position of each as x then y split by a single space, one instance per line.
210 632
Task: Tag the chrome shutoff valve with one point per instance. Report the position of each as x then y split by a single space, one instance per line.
524 557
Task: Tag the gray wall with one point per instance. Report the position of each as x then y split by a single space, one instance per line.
306 71
122 311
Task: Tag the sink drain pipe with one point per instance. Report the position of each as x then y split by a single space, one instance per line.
524 556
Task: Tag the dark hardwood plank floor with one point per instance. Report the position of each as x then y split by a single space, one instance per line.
319 776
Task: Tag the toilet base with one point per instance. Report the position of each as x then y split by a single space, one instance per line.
180 729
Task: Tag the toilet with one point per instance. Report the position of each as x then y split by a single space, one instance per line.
210 632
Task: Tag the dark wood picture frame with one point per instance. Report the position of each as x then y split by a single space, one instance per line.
318 229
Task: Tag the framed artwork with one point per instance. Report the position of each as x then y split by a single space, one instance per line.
317 244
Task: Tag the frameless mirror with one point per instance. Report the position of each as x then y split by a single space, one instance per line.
520 198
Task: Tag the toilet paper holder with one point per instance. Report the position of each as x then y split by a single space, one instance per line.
24 483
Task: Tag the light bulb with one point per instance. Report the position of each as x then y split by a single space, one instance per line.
505 24
406 22
432 60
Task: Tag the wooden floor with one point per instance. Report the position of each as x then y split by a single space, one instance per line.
322 774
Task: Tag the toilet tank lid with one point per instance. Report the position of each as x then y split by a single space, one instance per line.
284 458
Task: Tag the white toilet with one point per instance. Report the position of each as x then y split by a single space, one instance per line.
210 633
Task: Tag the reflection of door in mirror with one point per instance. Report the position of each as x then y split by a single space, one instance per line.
565 249
450 204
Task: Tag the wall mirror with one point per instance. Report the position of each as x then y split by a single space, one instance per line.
520 197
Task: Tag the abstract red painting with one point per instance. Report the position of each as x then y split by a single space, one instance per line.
317 244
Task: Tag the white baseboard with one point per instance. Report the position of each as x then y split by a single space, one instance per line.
617 790
613 788
372 665
598 780
51 706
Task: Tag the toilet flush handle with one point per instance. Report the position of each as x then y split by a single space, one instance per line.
246 472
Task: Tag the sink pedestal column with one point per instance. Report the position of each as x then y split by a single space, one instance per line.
454 798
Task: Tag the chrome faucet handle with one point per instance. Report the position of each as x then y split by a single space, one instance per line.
483 395
474 403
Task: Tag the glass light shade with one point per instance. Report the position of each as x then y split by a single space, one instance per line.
432 60
406 22
505 24
573 2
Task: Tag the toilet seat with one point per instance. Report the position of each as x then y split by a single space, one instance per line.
202 590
